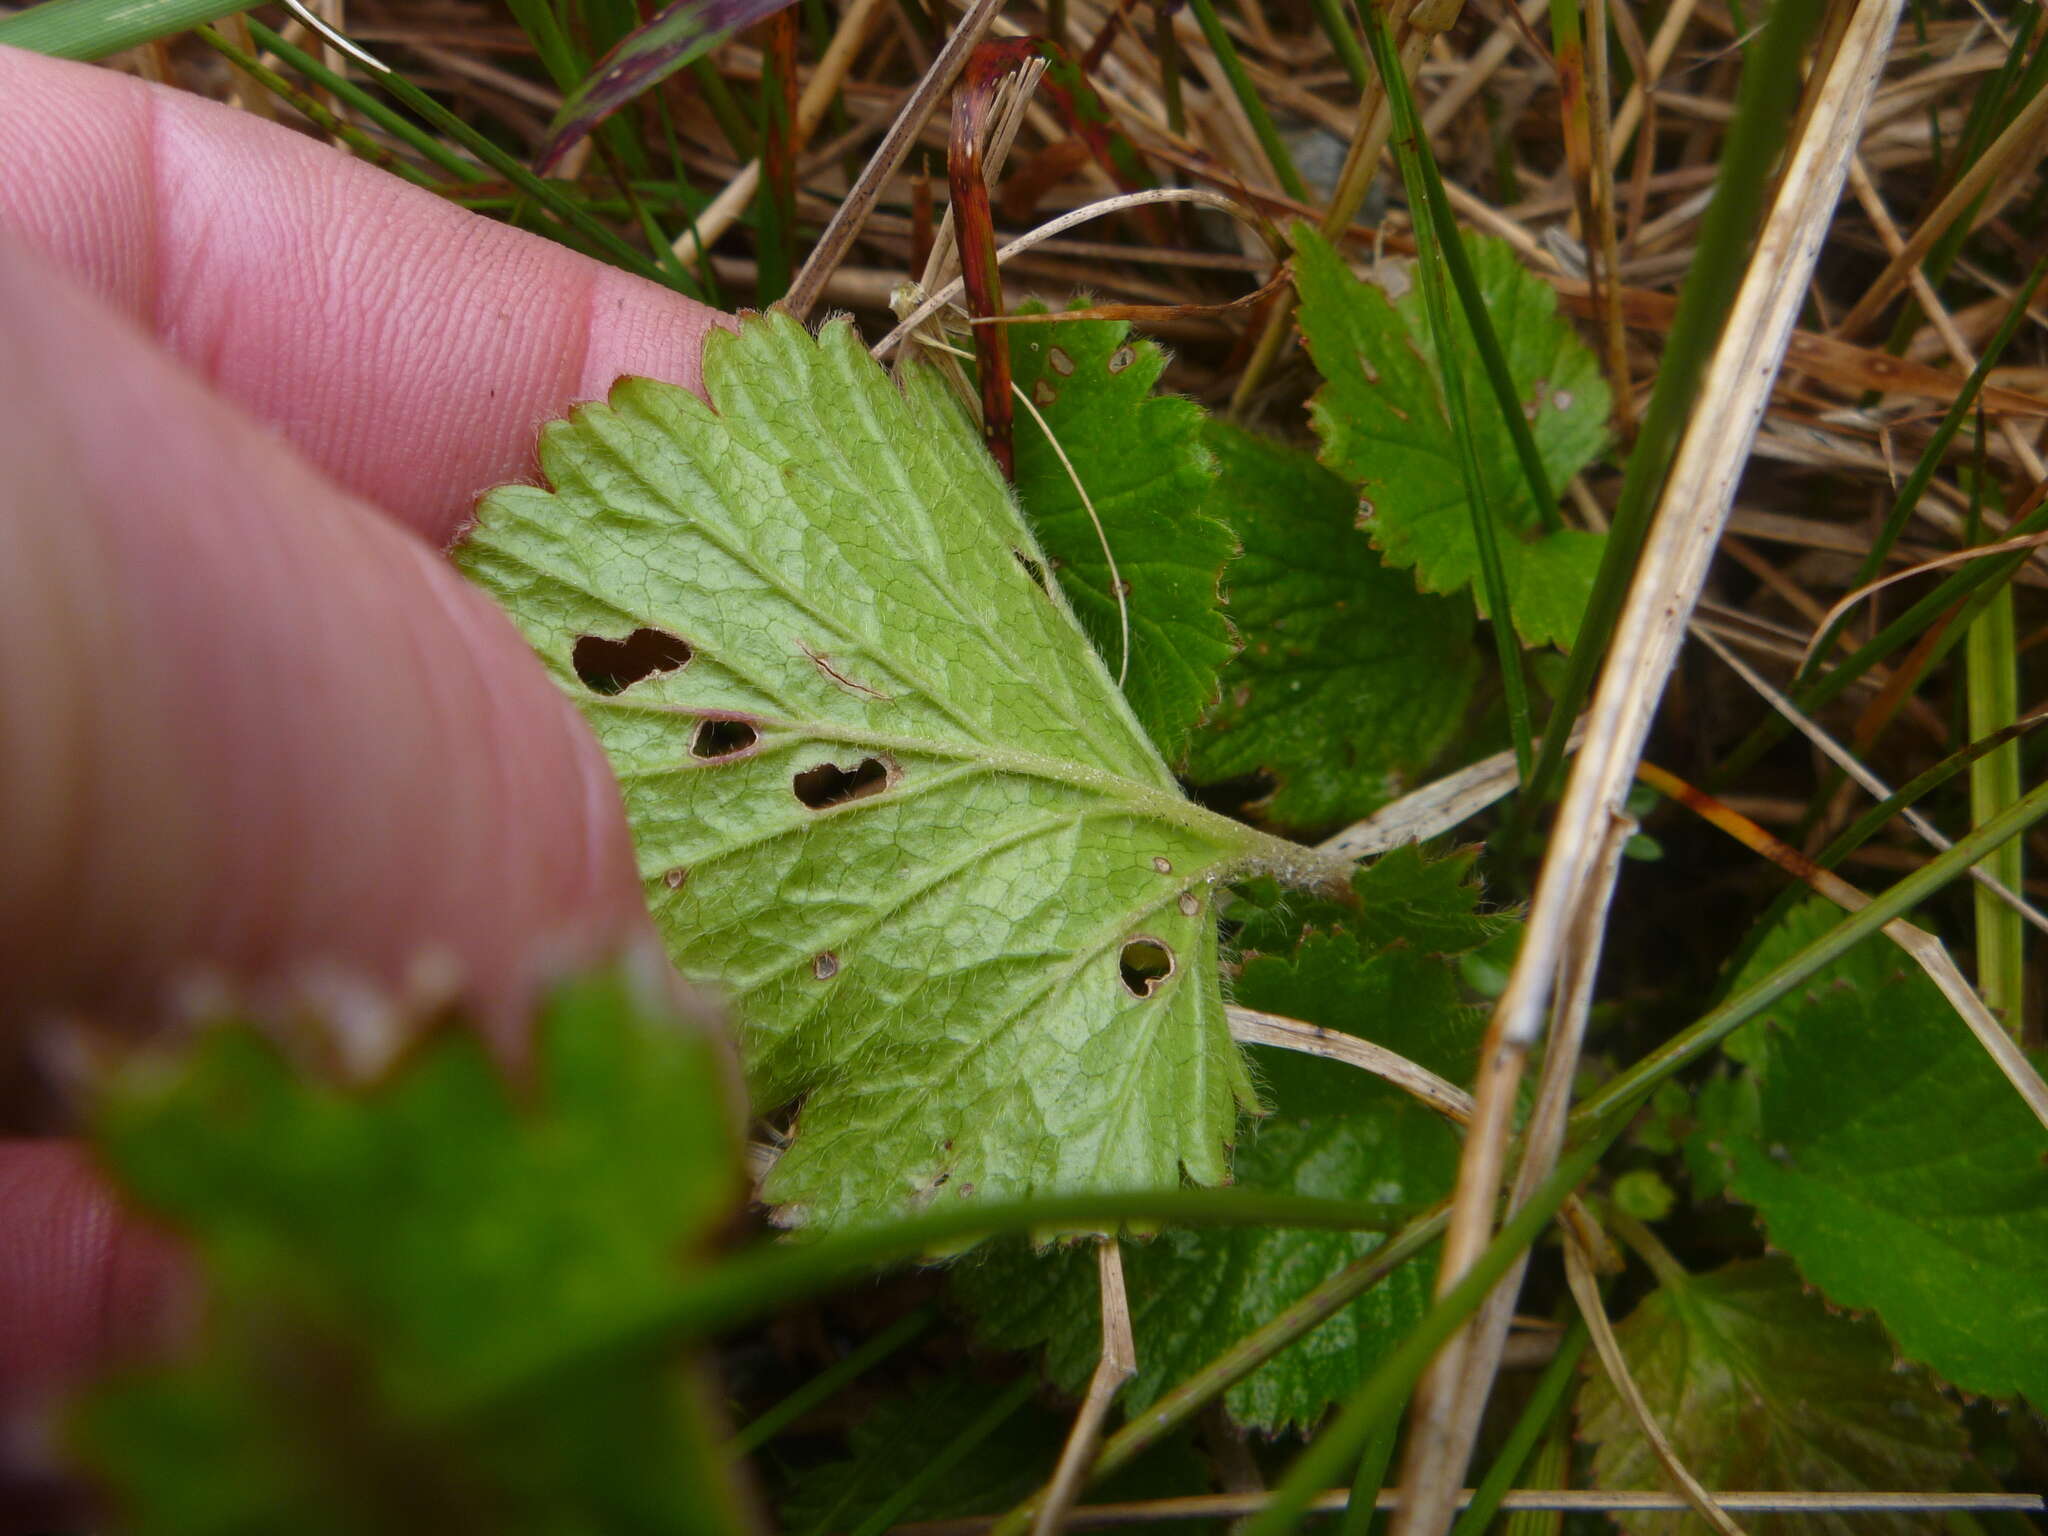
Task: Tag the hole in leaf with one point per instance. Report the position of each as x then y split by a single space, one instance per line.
828 784
1031 568
1122 358
825 966
719 739
613 666
674 878
1145 963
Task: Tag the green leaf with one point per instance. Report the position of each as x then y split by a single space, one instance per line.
1381 419
1758 1386
883 790
1141 459
377 1259
896 1438
1894 1162
1350 681
1333 1131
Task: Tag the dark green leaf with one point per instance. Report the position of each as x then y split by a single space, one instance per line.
895 1439
1759 1386
1141 459
376 1257
1381 420
1894 1162
1350 681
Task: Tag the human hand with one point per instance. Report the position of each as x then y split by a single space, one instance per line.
251 725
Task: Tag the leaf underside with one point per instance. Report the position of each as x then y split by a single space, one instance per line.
1381 420
1892 1161
883 791
1141 459
1334 1131
1759 1386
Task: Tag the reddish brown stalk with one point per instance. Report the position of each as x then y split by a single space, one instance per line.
777 36
974 228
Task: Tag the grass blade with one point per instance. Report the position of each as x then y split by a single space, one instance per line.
92 29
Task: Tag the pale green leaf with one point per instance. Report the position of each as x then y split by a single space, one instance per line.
1381 419
1759 1386
1350 681
1141 460
891 801
1893 1161
1333 1131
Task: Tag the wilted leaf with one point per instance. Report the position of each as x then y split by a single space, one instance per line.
1381 419
1142 461
1334 1131
1759 1386
883 789
380 1260
1894 1162
1350 681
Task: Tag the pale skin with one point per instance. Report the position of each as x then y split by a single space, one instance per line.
251 723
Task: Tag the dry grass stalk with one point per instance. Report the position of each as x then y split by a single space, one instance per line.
1694 507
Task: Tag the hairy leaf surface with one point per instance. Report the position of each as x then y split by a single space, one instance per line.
1350 681
884 791
1894 1162
1141 459
1759 1386
1381 419
1334 1131
381 1261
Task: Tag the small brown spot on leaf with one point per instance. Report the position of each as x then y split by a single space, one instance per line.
1042 393
825 966
1163 864
612 666
1058 361
1562 399
1190 904
828 784
1122 358
674 878
1145 964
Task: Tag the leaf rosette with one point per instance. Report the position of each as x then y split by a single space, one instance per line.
883 790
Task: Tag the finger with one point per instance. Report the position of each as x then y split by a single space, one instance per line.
83 1289
250 726
408 348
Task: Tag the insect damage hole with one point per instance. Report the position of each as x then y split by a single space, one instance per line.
828 784
717 740
1031 568
1144 964
612 666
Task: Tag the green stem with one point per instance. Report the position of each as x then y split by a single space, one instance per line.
826 1384
1379 1401
1536 1418
1433 249
1991 660
1766 104
1603 1111
1248 97
1175 1408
